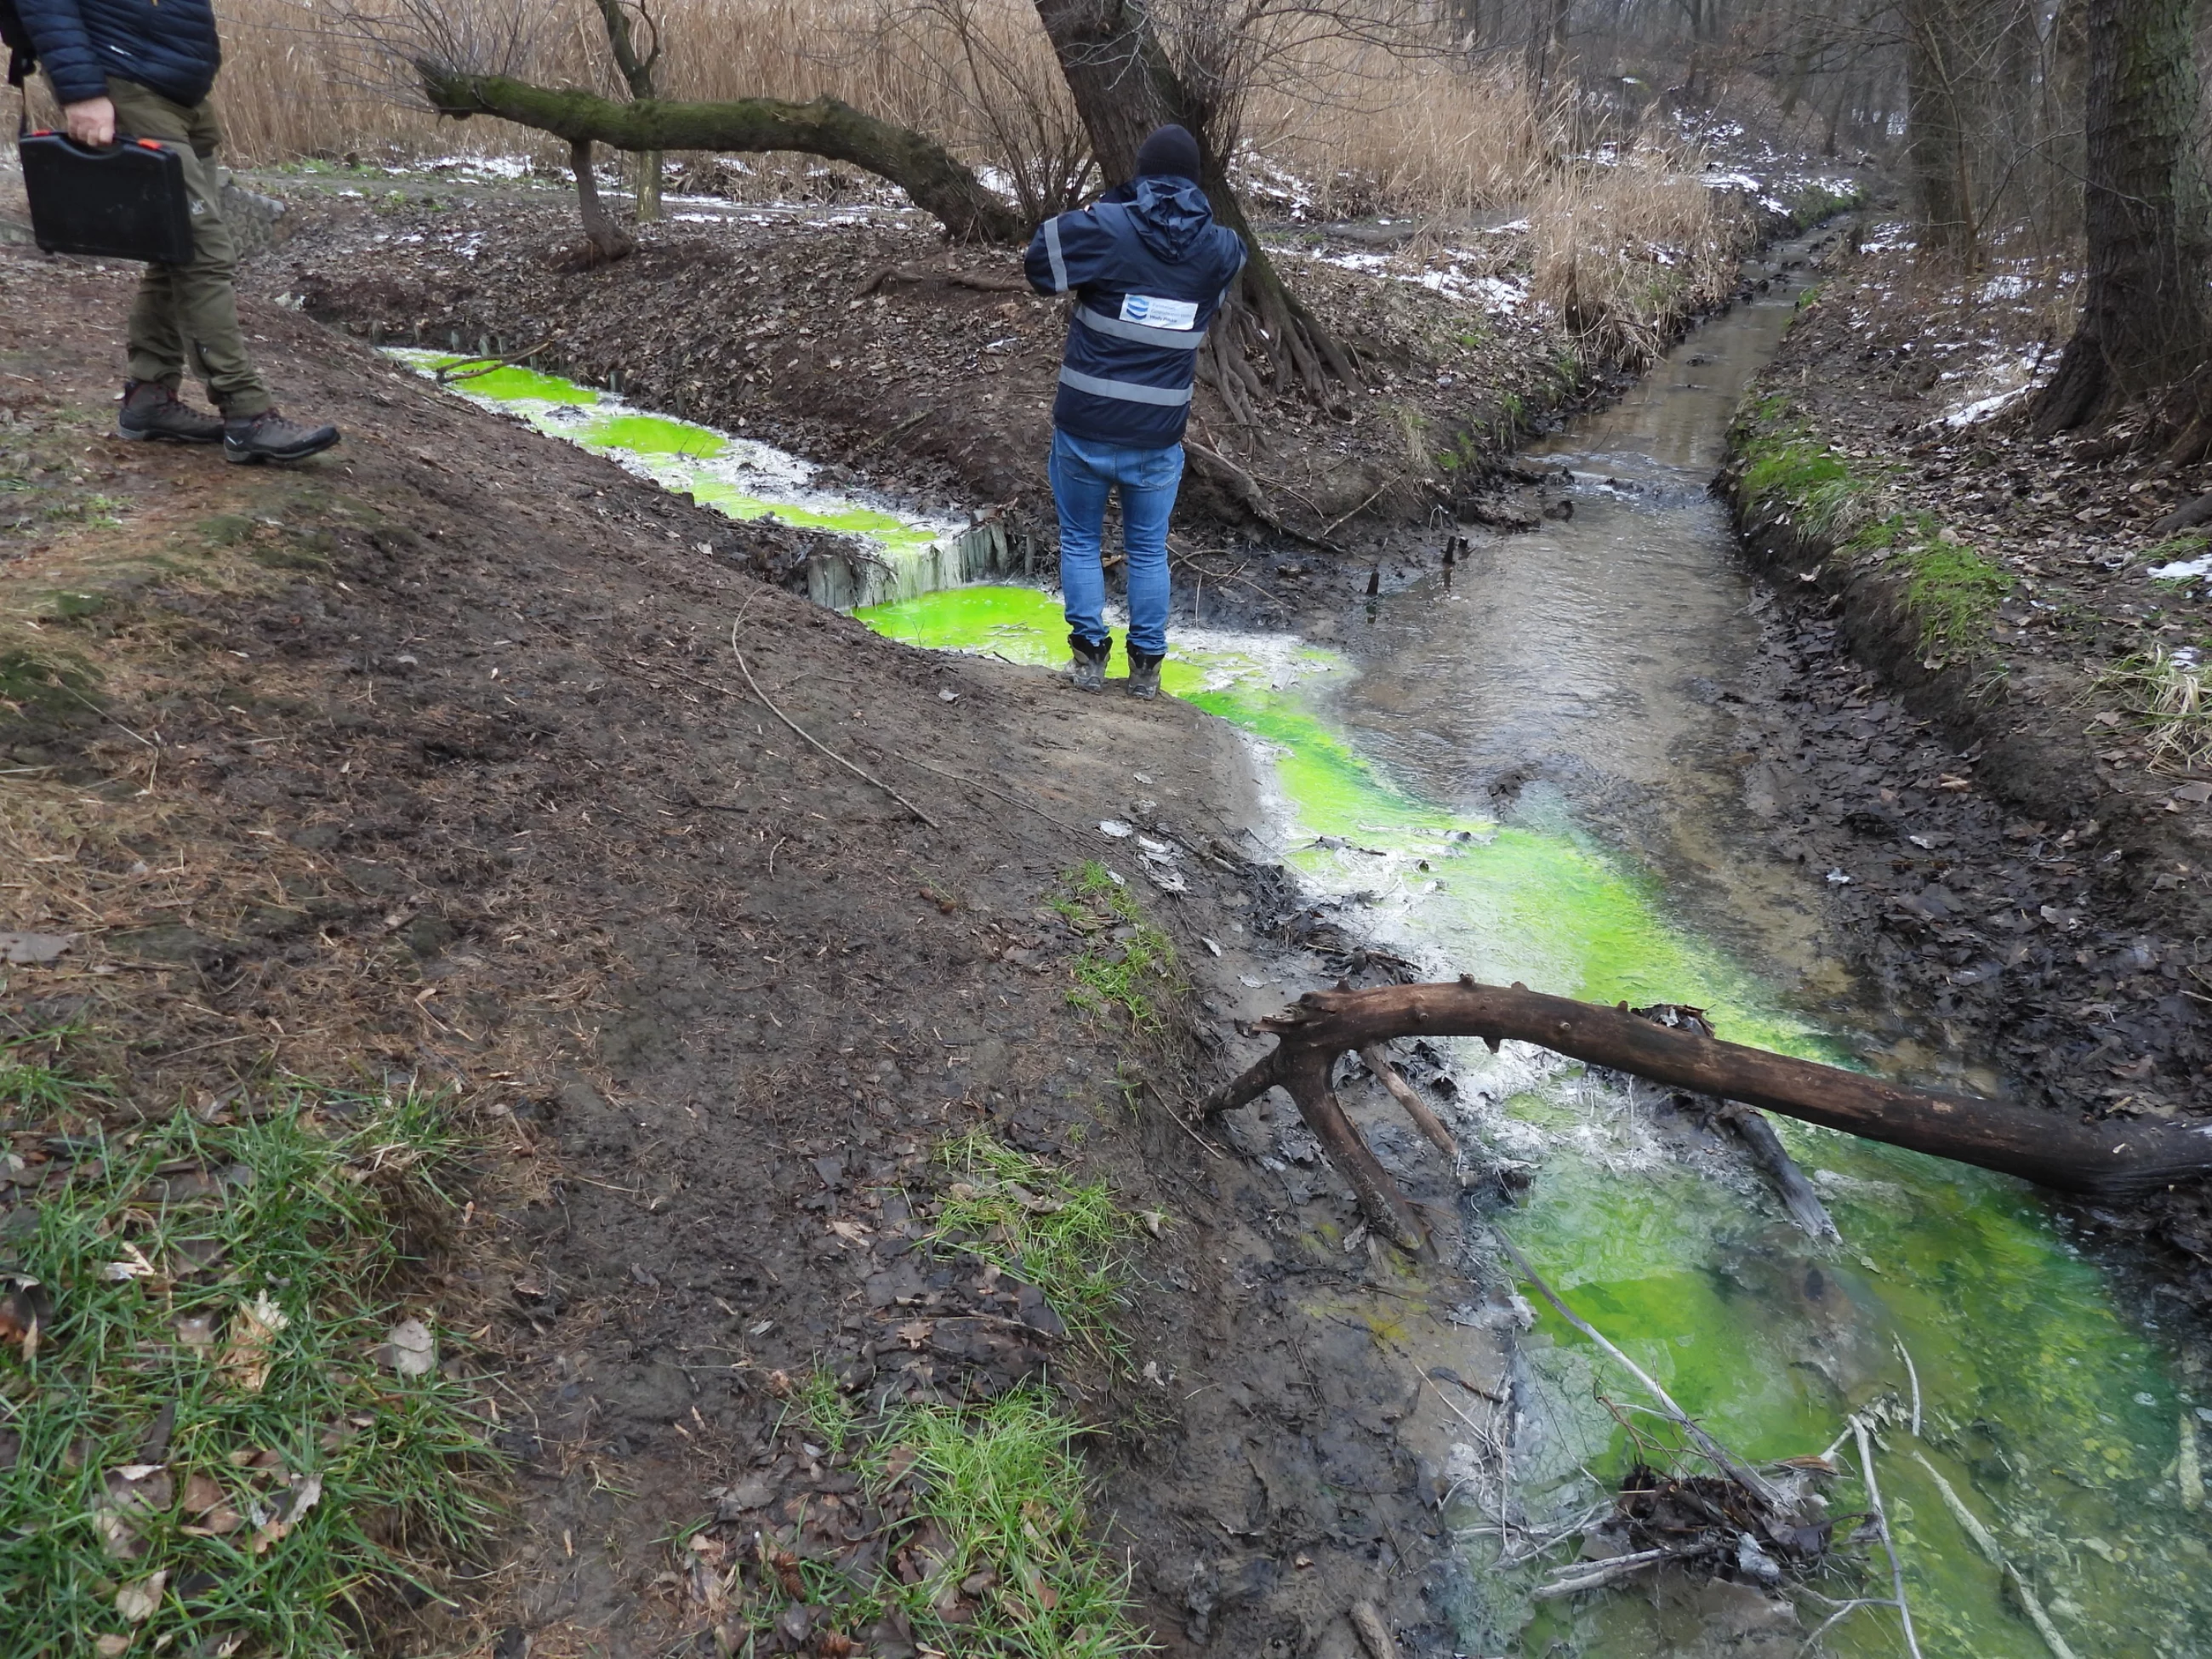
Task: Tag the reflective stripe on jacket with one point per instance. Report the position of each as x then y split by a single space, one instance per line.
1150 271
169 46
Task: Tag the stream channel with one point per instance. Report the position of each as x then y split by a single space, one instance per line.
1511 769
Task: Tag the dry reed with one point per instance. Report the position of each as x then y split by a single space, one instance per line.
1363 130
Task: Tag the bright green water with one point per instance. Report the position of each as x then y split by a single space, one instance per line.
735 477
2053 1415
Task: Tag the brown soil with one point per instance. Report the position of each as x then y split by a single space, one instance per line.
433 758
2021 871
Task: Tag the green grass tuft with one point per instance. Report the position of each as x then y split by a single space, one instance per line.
1953 592
209 1301
1036 1221
1006 1488
1129 963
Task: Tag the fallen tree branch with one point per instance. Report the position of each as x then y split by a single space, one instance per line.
1587 1574
2097 1160
951 275
939 183
1970 1524
1771 1155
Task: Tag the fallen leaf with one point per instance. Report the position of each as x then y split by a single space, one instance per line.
410 1349
34 947
851 1231
295 1504
108 1647
19 1322
915 1333
196 1333
144 1486
134 1266
137 1602
253 1329
205 1498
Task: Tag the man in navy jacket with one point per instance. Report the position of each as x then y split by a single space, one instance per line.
145 68
1150 269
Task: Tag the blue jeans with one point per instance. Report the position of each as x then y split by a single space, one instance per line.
1082 475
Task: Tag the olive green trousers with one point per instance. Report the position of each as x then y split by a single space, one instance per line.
186 316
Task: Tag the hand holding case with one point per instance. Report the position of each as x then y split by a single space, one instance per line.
125 202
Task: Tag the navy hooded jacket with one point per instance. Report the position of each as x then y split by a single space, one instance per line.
169 46
1150 269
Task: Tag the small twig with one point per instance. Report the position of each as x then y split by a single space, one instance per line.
976 783
1604 1572
1182 1123
1737 1470
1427 1121
865 776
1970 1524
1912 1374
448 375
1881 1525
1843 1610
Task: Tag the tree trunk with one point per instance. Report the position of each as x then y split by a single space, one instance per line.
637 75
939 182
1935 134
2143 318
1123 85
2096 1160
607 238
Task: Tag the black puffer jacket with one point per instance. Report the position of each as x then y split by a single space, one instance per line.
167 44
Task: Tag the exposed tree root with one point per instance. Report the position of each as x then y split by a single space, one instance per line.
2097 1160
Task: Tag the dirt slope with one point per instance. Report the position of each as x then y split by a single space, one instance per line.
434 758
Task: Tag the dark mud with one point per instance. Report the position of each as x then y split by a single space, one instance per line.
2017 870
434 759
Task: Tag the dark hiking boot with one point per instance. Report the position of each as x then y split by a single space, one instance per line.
152 411
1145 676
1086 669
268 436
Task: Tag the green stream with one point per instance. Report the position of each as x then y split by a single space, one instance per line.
2052 1414
736 476
2055 1415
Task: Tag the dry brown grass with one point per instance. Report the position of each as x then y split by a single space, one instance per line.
1622 254
1364 129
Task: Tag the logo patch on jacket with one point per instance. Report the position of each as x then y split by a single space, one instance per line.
1159 314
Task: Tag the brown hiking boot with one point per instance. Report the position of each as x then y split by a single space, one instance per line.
268 436
152 411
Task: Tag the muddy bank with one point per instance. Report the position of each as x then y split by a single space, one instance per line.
2022 868
854 335
435 761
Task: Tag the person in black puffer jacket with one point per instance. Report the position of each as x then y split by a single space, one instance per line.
145 68
1150 269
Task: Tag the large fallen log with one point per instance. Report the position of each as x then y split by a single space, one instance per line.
2102 1160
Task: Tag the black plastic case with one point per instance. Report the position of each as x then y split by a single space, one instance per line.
125 202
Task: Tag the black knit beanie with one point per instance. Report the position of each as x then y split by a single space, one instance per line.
1169 153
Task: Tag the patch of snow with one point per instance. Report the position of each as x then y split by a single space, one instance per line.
2183 570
